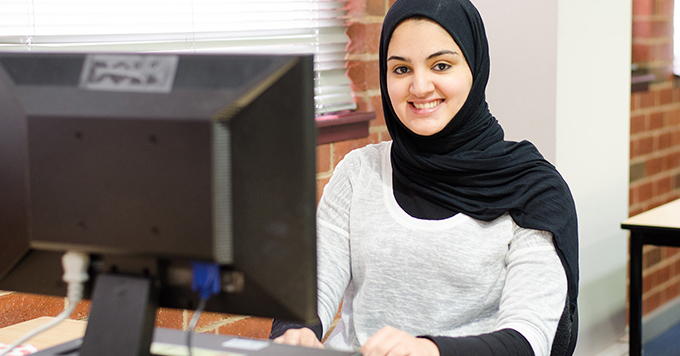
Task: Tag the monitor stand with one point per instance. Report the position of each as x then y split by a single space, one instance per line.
122 317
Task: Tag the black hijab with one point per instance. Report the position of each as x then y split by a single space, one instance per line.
468 167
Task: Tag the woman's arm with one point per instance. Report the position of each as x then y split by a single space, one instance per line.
333 255
507 342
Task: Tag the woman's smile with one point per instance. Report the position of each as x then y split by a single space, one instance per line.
427 105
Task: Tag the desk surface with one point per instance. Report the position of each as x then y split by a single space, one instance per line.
666 216
166 341
65 331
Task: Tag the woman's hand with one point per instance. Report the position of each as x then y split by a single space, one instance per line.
299 337
390 341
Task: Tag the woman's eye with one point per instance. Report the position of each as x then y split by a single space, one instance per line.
441 66
400 70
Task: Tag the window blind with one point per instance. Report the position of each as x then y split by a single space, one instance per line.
193 26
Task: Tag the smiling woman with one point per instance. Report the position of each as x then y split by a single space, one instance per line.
448 240
427 80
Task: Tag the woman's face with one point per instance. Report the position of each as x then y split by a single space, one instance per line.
428 78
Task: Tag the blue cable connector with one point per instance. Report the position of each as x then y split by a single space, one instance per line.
206 279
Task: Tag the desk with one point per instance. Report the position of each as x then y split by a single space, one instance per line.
659 226
165 342
65 331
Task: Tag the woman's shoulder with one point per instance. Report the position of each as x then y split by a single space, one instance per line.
368 156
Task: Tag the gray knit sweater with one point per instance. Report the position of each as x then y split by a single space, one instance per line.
453 277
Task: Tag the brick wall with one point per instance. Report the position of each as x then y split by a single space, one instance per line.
364 24
364 19
655 141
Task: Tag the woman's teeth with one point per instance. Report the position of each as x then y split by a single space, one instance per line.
429 105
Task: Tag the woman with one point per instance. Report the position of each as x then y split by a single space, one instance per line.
447 240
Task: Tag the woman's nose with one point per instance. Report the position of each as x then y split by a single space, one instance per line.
422 84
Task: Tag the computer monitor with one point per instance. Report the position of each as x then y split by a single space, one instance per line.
149 162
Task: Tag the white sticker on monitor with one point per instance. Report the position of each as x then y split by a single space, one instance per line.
245 344
129 73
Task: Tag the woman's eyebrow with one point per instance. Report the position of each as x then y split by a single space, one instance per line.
441 53
433 55
397 58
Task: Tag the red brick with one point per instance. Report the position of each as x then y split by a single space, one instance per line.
646 145
384 136
675 139
631 197
666 95
661 28
19 307
323 158
649 205
364 38
664 295
637 124
647 99
635 211
650 303
376 102
645 192
642 28
664 275
673 291
344 147
663 52
672 196
356 34
663 7
670 252
653 166
364 75
356 71
355 31
356 8
251 327
651 257
665 141
653 277
672 160
674 115
206 319
646 285
82 310
641 53
375 7
634 101
642 7
662 186
656 120
641 147
170 318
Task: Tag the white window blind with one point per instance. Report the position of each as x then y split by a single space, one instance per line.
200 26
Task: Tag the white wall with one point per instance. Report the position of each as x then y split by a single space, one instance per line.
561 78
522 84
593 126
